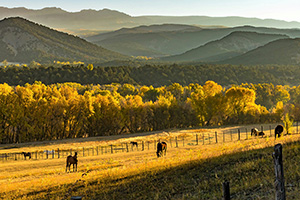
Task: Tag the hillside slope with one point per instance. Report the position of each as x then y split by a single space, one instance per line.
284 51
236 43
24 41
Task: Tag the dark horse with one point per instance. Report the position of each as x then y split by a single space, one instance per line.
254 131
72 160
161 149
26 154
134 144
278 130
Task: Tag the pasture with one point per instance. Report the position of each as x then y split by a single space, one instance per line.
186 172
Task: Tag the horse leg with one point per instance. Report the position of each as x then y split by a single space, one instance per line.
66 167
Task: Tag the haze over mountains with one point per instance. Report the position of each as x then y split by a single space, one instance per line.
112 20
232 45
171 39
22 40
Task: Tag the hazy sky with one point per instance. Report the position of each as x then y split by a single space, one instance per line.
277 9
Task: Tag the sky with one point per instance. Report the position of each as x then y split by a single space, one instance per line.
287 10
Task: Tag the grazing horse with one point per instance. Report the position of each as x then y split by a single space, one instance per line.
254 131
134 144
161 149
278 130
261 133
72 160
26 154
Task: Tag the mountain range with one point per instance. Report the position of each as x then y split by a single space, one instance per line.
108 20
24 41
232 45
171 39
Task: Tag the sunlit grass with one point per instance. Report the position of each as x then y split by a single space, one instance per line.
189 172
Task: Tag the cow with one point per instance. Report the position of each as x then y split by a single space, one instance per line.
278 131
161 149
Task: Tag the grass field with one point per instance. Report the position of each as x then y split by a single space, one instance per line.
189 172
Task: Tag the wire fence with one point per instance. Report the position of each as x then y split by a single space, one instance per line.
191 139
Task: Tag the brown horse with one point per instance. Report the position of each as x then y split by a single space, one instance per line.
72 160
26 154
161 149
278 130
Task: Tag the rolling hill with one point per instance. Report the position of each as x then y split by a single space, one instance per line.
234 44
171 39
23 41
283 51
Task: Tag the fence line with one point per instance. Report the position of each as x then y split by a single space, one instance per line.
204 138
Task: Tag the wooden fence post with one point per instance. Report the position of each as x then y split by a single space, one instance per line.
82 151
46 154
270 130
183 141
279 177
223 137
148 145
216 135
262 129
226 191
239 134
297 127
98 150
208 138
231 134
176 141
196 139
170 142
111 147
58 153
203 138
246 134
127 147
52 153
142 145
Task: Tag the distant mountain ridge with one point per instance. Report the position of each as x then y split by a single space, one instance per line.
24 41
112 20
232 45
171 39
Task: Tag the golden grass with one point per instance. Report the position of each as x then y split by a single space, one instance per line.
190 172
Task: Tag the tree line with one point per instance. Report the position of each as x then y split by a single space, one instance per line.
148 74
36 112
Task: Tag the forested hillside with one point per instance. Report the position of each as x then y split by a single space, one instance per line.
24 41
151 74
